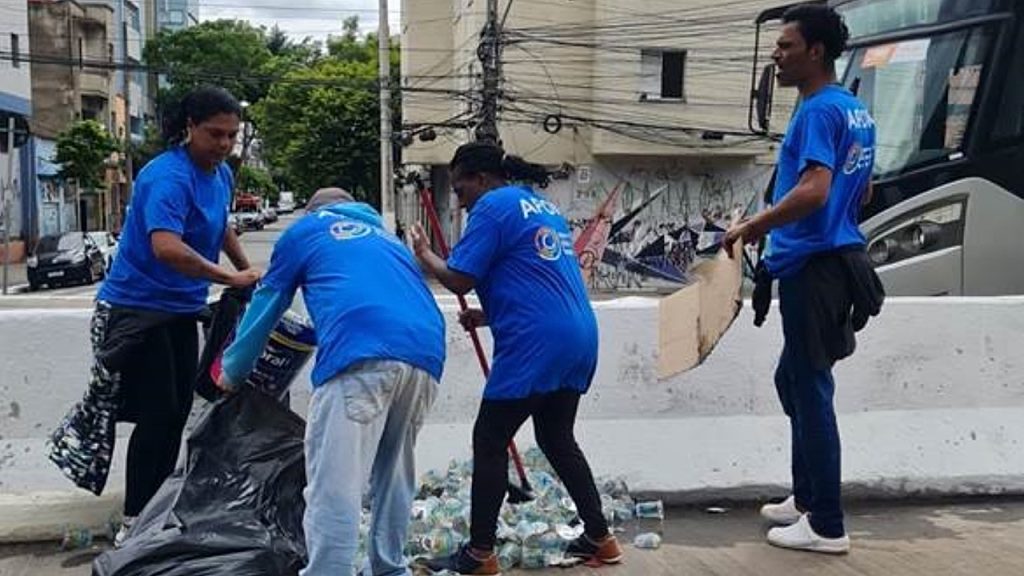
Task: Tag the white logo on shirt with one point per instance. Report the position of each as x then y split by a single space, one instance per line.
349 230
537 206
859 119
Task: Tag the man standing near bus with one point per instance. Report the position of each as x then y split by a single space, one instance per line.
827 288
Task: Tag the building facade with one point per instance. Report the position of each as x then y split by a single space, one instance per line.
175 14
16 104
72 43
643 103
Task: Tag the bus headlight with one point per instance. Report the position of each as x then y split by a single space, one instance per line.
928 230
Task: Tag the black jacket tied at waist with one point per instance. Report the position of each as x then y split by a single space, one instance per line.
843 293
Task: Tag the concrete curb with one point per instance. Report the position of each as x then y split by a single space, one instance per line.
44 516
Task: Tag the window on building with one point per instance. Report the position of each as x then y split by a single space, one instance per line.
661 74
15 51
110 52
176 17
132 16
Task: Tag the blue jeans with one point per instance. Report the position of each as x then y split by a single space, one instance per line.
807 398
363 424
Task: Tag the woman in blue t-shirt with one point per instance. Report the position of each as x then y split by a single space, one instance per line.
517 253
144 328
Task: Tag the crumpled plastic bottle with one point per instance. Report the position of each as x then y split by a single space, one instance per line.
441 542
510 555
647 541
653 510
432 484
534 459
75 538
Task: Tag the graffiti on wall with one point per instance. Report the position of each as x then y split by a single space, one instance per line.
644 227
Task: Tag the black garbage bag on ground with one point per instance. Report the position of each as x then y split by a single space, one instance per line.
224 316
237 506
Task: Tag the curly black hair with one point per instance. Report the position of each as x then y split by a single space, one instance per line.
489 158
819 23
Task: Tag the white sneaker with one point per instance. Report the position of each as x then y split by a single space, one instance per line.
801 536
122 533
783 514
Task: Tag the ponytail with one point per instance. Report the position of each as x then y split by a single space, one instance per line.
489 158
520 170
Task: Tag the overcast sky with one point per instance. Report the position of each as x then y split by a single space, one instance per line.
301 18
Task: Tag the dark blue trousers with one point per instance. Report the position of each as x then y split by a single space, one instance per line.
807 398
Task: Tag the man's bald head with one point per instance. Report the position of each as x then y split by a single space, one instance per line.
326 197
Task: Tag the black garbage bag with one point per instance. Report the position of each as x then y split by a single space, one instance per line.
224 315
237 506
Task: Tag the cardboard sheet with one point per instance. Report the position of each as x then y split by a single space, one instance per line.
694 319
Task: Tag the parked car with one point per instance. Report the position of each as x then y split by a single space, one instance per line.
64 259
107 244
235 224
269 215
249 220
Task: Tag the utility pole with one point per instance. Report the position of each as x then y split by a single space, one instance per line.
127 87
489 53
8 189
387 170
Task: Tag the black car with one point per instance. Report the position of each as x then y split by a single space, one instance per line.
66 259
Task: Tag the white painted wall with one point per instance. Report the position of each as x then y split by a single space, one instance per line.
15 80
933 401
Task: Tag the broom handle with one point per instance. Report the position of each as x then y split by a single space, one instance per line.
435 225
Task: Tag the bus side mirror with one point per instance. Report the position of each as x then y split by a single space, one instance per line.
764 95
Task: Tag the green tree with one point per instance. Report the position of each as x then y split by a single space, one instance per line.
277 41
320 127
229 53
285 50
82 152
348 46
257 181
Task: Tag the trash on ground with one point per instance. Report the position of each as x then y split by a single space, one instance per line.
654 510
647 541
236 508
75 538
531 535
716 510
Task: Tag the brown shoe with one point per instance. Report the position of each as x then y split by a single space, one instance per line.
605 551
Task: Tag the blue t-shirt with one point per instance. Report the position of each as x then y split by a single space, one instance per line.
518 248
363 289
832 129
174 195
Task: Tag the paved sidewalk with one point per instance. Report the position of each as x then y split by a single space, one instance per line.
976 539
17 275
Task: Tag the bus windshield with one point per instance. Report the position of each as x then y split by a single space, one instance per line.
870 17
920 92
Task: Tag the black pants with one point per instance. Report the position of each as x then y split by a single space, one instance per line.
554 416
157 388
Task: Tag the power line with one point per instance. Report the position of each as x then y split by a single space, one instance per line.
368 85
